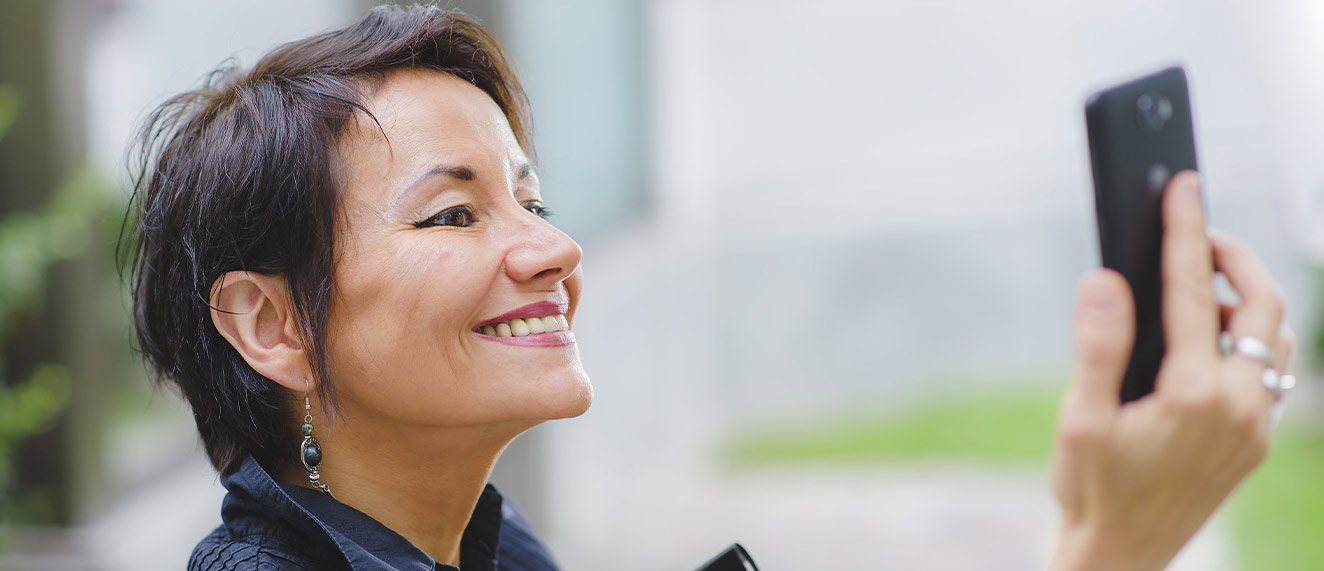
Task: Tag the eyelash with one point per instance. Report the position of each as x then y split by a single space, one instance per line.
440 219
536 207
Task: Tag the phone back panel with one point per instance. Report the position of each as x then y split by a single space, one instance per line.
1140 133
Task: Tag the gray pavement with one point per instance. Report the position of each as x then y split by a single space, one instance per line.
928 516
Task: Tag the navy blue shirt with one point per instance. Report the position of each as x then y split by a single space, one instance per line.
269 525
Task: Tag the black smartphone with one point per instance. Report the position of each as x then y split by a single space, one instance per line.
1140 134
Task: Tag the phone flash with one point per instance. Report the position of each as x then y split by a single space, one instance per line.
1158 177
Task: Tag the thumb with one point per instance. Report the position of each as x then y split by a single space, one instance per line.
1104 333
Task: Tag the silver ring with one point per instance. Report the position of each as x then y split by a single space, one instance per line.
1254 349
1272 381
1277 384
1285 383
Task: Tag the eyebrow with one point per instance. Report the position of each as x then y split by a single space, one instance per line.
458 172
525 170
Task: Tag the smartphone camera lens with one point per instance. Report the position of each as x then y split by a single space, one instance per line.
1153 110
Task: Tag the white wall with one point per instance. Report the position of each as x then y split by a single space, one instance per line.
148 50
861 201
850 199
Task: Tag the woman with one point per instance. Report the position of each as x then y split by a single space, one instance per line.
342 262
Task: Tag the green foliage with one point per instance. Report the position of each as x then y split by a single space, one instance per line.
8 107
1315 350
31 407
29 244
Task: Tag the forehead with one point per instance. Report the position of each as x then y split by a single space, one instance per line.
426 116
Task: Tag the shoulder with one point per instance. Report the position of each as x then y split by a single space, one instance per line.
222 551
520 547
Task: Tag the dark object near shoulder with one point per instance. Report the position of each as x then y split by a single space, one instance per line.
221 551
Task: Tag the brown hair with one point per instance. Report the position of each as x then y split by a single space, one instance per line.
239 175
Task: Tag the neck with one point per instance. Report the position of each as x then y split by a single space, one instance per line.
422 484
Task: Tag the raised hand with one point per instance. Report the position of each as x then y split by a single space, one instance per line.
1136 481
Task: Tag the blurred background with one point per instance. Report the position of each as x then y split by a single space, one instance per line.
831 250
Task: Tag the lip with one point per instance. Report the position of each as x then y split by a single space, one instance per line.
536 309
553 339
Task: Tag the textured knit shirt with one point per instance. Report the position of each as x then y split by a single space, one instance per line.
269 525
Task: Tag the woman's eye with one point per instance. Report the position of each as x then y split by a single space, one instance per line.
454 216
536 207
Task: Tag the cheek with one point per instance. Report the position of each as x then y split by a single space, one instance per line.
403 286
435 288
574 287
399 327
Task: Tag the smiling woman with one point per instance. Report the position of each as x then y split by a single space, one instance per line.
441 231
359 218
342 260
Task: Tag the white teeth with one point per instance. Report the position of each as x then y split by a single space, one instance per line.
524 327
519 328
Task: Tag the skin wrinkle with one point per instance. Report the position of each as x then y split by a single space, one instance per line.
412 378
420 381
284 118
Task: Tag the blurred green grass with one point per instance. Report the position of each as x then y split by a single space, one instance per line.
996 428
1278 514
1276 518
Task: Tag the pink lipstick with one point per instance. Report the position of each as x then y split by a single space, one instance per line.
540 324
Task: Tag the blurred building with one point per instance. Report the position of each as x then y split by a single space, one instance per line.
784 207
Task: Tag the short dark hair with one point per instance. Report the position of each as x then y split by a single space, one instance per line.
239 174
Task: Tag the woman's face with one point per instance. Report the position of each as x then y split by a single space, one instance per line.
446 272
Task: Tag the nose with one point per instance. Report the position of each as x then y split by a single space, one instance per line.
540 253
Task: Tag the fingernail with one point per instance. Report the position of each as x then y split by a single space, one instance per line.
1191 179
1098 298
1185 187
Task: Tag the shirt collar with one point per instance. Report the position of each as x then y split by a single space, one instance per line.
361 540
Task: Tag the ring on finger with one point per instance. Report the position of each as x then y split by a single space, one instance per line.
1276 383
1252 348
1285 383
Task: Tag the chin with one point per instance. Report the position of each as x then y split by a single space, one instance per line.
585 400
574 400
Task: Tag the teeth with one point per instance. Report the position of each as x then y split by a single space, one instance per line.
530 326
519 327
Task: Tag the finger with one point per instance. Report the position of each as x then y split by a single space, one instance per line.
1104 332
1286 346
1190 315
1260 313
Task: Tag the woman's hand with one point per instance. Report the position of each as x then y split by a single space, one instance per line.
1135 481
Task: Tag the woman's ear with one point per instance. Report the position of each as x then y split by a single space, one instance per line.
255 314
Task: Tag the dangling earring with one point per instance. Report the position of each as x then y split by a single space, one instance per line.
310 452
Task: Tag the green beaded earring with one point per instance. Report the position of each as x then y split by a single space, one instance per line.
310 452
